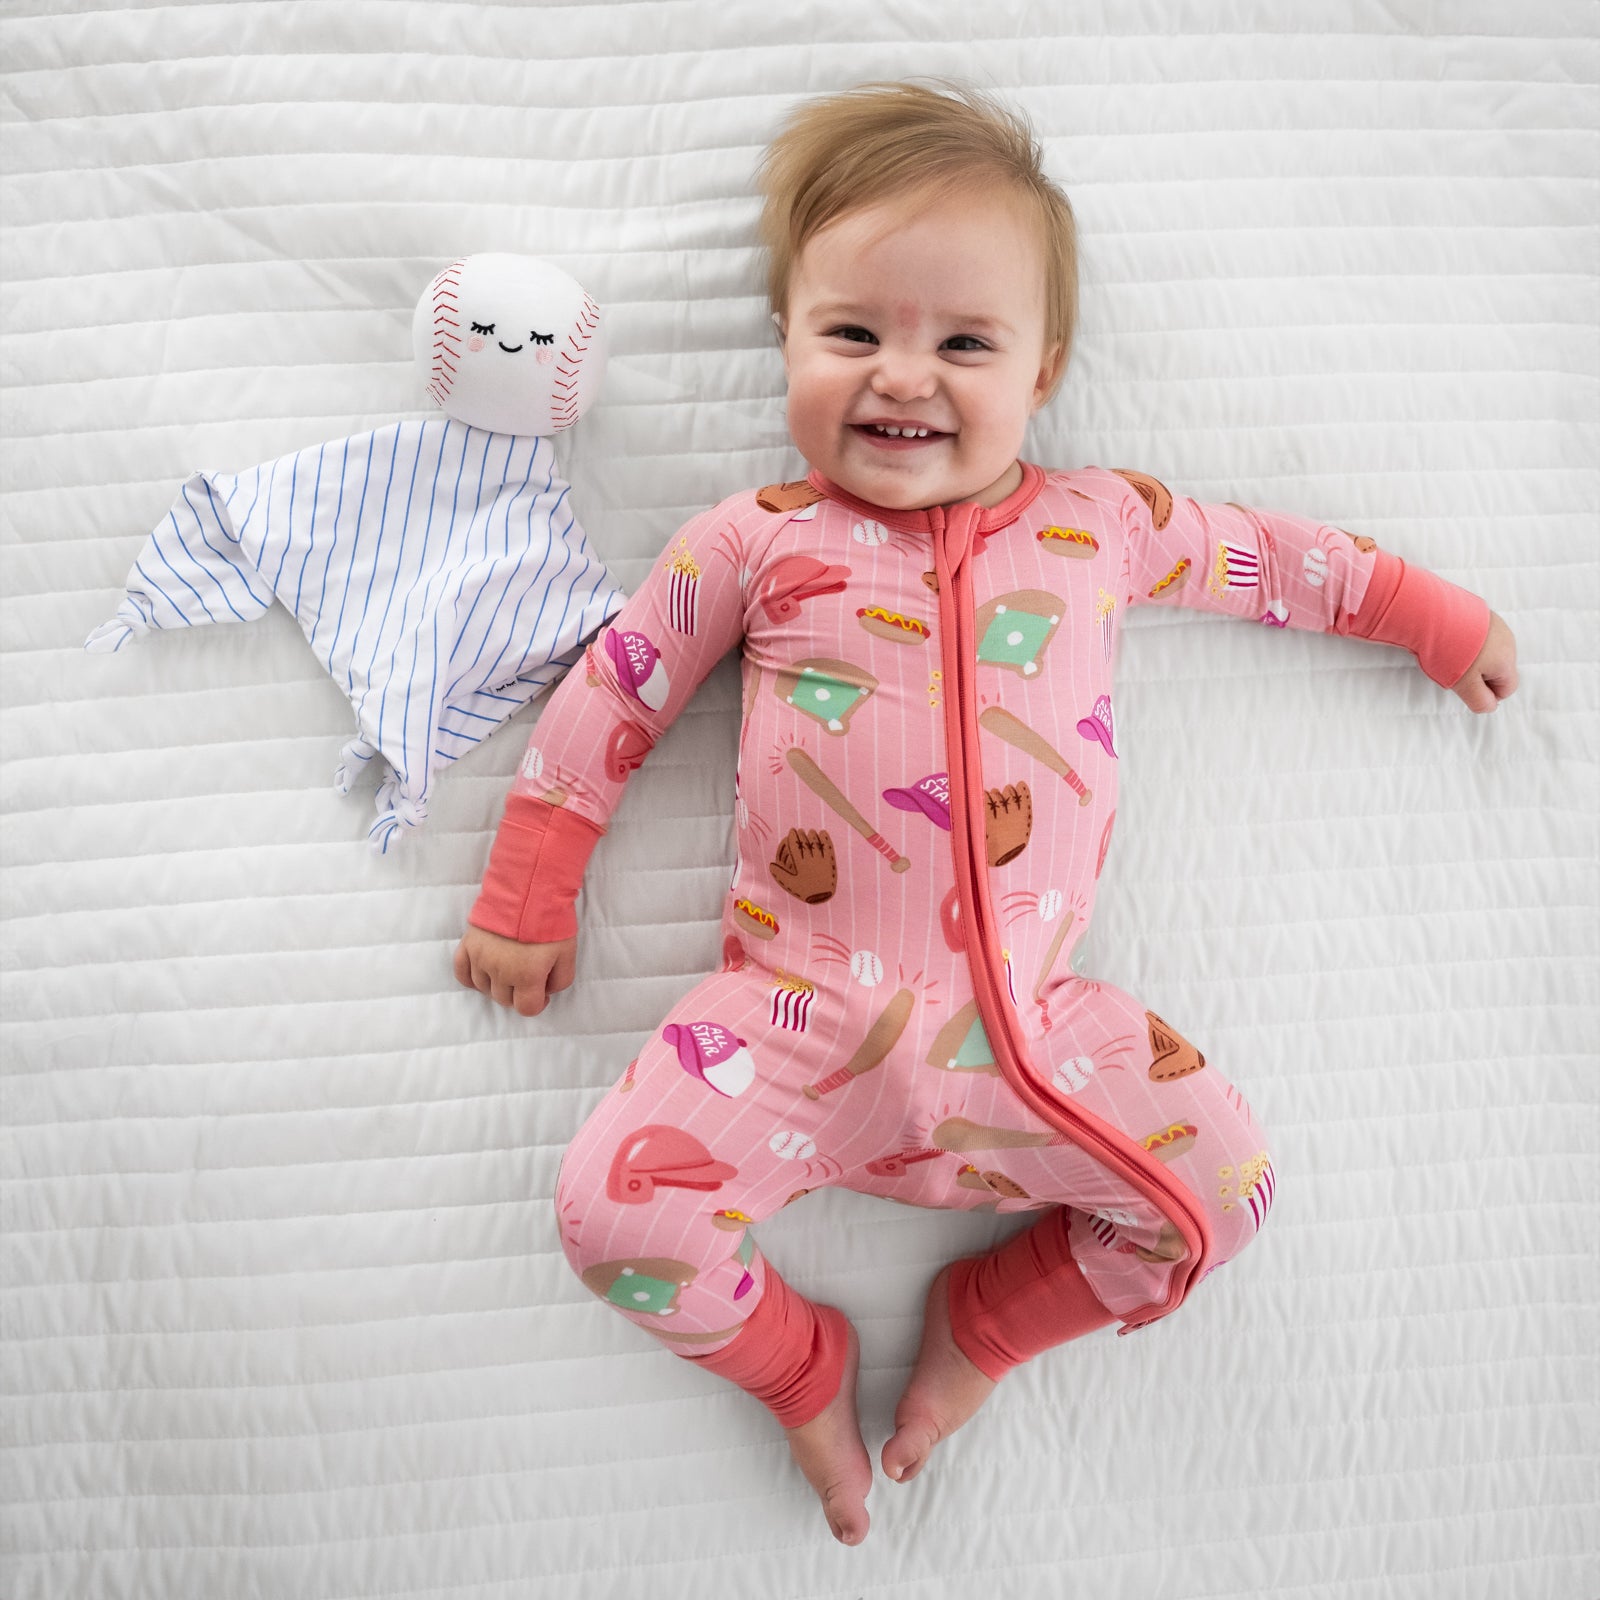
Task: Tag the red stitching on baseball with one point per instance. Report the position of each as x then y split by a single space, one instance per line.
446 329
565 412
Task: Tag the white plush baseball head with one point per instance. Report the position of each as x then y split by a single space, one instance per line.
509 343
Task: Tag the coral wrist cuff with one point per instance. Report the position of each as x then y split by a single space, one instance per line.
1442 625
535 869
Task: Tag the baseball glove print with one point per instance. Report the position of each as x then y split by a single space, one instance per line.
1008 822
805 865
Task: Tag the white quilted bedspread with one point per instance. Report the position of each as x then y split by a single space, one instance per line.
284 1311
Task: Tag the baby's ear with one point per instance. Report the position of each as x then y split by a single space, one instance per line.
780 325
1049 374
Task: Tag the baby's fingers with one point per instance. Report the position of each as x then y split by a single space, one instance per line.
1476 694
1502 683
1493 676
534 995
528 999
1483 691
466 975
565 971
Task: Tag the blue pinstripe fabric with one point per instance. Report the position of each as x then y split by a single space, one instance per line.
438 572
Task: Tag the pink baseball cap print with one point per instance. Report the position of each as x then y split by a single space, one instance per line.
930 796
709 1052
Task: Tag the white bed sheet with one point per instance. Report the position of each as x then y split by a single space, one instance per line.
284 1310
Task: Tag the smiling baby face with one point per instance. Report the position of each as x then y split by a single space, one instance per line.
915 347
509 343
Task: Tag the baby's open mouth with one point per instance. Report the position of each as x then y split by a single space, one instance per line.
907 433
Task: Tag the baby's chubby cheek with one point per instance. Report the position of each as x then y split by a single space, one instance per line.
813 422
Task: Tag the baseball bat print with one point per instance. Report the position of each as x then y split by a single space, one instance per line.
821 785
957 1133
880 1040
1051 954
1017 733
895 1166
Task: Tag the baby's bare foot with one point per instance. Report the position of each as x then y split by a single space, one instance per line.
831 1452
944 1391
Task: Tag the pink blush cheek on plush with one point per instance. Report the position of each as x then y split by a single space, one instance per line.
475 342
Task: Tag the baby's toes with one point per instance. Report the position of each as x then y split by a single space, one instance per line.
905 1455
845 1507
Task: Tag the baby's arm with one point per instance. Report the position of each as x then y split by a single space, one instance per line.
1288 571
601 722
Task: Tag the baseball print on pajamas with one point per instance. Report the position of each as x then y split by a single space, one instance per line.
926 795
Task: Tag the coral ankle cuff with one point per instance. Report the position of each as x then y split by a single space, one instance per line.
543 848
1442 625
789 1355
1027 1296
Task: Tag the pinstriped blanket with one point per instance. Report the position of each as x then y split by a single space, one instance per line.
438 572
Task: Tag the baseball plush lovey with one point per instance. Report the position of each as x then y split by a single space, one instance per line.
436 568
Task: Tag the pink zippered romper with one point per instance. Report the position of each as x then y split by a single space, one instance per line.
926 793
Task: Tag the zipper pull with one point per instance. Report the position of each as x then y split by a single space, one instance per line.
956 536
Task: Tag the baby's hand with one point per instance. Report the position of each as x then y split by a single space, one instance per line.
519 976
1494 674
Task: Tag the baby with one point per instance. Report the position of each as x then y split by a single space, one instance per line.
925 797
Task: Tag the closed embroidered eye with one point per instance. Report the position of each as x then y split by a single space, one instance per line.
542 338
483 327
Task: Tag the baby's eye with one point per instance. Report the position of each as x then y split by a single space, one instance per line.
965 342
542 338
483 327
853 334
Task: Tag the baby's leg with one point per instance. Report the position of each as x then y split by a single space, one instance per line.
708 1133
1101 1249
697 1142
1106 1251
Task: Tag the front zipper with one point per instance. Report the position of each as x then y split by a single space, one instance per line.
954 540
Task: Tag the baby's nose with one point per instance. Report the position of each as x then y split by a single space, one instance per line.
903 375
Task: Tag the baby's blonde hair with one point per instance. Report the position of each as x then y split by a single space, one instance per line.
894 142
